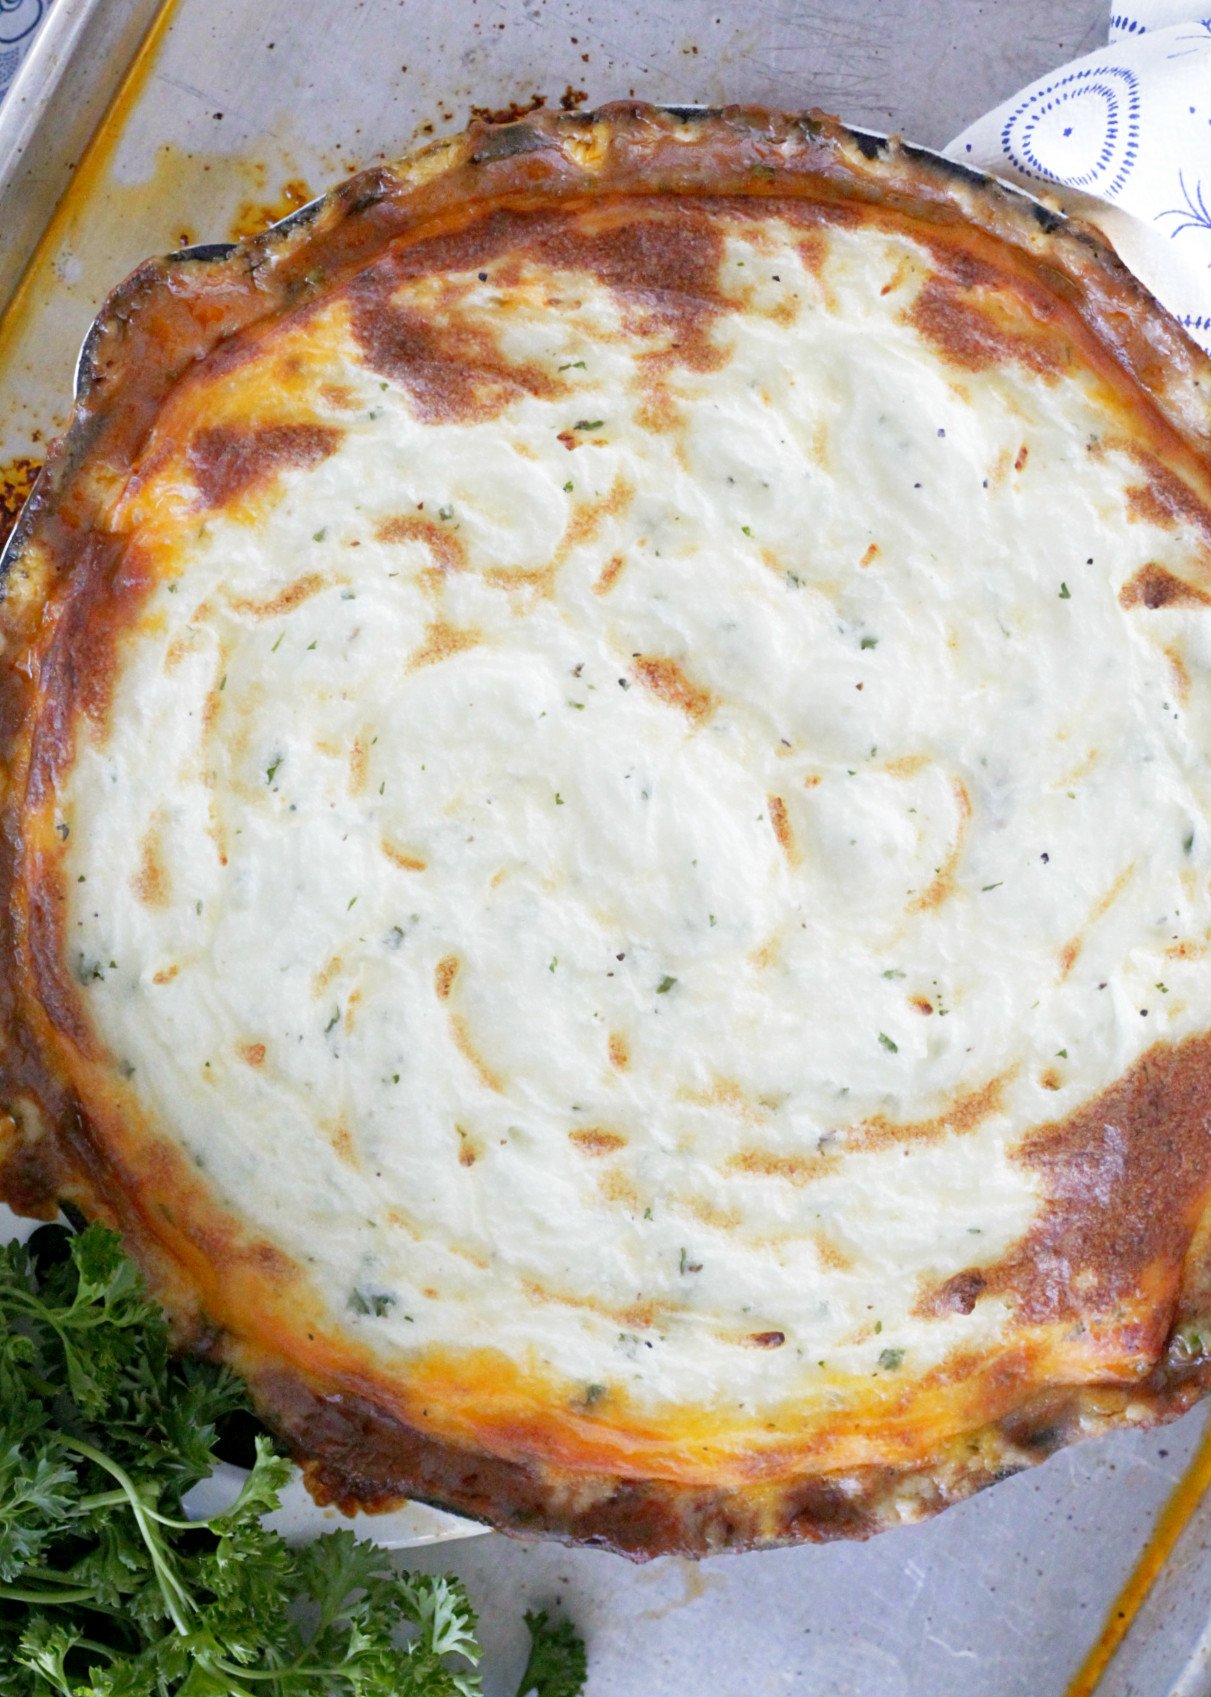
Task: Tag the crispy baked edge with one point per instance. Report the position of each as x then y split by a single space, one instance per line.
153 328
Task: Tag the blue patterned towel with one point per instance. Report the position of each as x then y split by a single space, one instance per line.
19 20
1125 134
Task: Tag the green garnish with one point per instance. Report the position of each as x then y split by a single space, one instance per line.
665 985
567 488
556 1665
588 424
890 1358
108 1589
892 1047
320 534
1065 592
573 365
271 769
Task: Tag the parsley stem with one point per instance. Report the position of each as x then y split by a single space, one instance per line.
176 1598
20 1594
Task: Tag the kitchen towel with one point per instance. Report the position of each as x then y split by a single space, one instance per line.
19 20
1123 137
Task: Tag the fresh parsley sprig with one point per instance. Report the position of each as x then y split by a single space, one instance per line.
109 1589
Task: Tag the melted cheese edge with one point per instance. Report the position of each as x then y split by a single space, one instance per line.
530 958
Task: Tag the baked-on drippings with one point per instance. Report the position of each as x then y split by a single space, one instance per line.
607 844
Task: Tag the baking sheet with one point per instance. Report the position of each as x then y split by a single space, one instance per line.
233 115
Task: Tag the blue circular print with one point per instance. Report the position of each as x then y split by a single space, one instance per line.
18 18
1082 129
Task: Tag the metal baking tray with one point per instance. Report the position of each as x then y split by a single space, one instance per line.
140 126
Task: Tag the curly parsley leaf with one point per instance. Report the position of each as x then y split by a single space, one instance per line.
107 1589
557 1665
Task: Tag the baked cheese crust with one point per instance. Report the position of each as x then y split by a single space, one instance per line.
609 828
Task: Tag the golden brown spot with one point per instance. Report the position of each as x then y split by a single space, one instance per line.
285 601
443 542
228 461
764 1163
811 780
338 395
921 1003
635 1317
725 1093
1153 586
1165 500
1126 1177
444 975
1071 950
831 1254
569 439
710 1213
341 1140
583 524
905 268
1023 455
1050 1079
782 828
819 443
596 1140
325 975
942 884
441 641
870 554
176 651
620 1051
963 1114
252 1054
357 766
351 1007
467 1049
608 575
813 250
1181 674
165 975
766 1340
907 766
979 332
452 366
401 858
614 1186
668 682
150 882
956 1295
469 1150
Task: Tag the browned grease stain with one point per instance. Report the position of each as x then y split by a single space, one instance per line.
254 216
1171 1523
597 1140
17 478
619 1050
668 682
871 554
252 1054
1154 586
227 461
